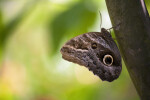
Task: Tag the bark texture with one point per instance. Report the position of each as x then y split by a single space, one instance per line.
133 36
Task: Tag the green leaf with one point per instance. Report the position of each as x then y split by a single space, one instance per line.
72 22
147 2
8 29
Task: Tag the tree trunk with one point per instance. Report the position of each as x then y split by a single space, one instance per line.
133 36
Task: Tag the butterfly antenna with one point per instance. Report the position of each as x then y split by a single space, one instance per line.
100 19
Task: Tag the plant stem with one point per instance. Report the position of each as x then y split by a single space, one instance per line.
133 36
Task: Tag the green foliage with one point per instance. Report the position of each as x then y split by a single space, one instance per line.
7 29
72 22
147 2
27 72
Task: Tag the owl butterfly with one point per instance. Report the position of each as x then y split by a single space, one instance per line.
97 51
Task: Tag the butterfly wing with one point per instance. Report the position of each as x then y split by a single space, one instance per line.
97 51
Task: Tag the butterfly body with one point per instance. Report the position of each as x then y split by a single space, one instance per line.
97 51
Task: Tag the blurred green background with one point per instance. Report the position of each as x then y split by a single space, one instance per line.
31 67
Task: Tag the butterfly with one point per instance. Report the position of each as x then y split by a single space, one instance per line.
97 51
